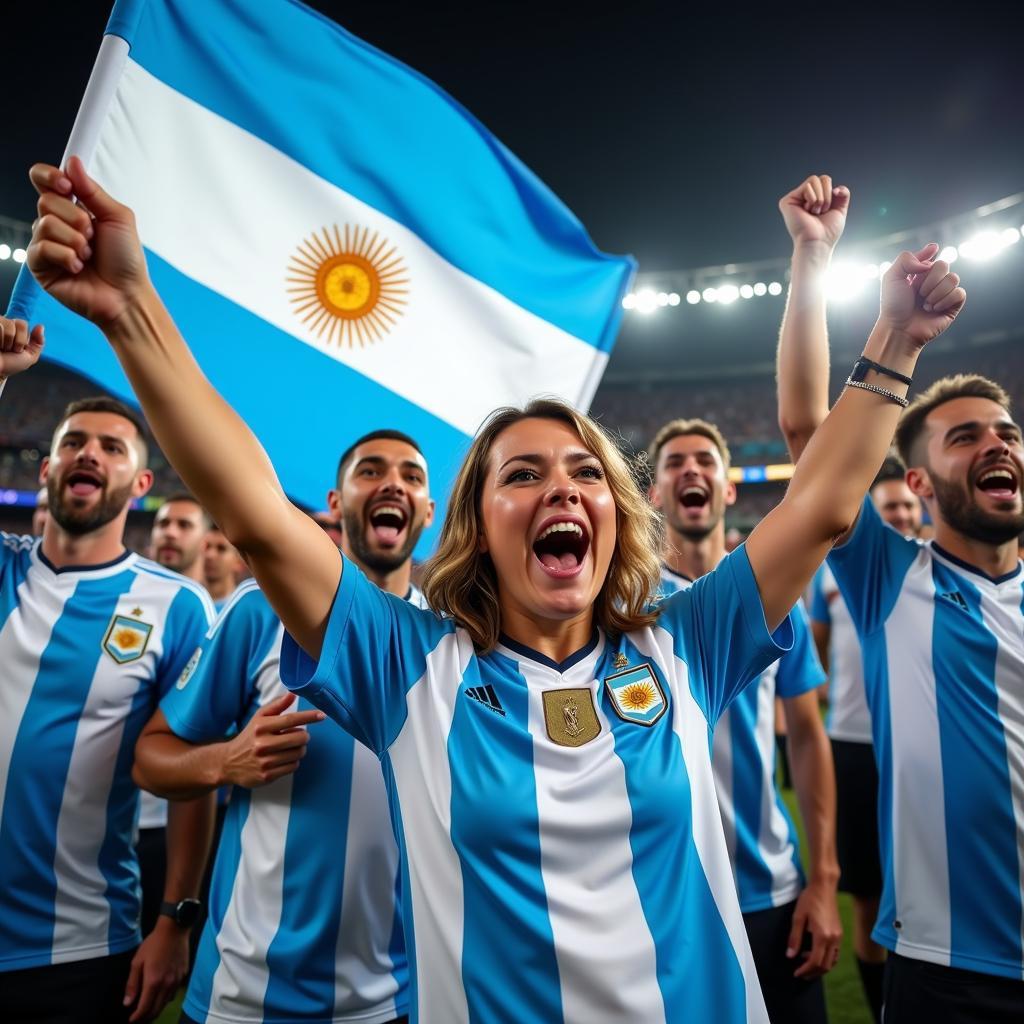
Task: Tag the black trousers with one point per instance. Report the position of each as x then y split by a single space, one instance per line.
789 1000
83 992
919 991
151 849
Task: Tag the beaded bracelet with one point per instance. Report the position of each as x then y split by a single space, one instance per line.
884 392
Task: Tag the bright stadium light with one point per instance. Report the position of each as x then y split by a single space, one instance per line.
746 292
18 255
662 298
1009 236
884 266
949 254
871 270
709 295
760 288
983 246
629 302
843 281
673 298
775 288
5 252
646 301
693 296
728 293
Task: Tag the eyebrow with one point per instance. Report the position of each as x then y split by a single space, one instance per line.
535 459
379 460
79 434
975 424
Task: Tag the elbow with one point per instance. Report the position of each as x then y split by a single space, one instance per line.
796 432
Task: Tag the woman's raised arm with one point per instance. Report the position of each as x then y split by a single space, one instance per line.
88 257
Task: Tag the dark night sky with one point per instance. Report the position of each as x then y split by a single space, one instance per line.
671 134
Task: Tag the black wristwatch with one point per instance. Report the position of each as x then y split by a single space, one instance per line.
184 913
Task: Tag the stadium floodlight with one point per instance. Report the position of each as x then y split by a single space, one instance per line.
18 255
709 295
5 252
844 281
1009 236
673 298
949 254
693 296
662 298
746 292
646 301
983 246
760 288
629 302
871 271
883 267
775 288
728 293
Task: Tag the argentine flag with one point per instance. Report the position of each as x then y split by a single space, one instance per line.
343 245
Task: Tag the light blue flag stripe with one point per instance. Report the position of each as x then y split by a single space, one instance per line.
337 403
388 136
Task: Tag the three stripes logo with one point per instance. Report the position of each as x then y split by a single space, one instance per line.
955 597
485 695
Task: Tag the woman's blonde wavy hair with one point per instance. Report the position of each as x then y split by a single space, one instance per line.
460 579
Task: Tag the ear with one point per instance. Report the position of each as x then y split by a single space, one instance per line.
920 482
428 519
44 470
654 496
730 493
334 503
143 482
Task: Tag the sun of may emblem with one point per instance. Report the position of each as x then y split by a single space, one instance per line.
348 285
638 696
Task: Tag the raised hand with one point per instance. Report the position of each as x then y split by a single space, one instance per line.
921 297
19 347
86 255
815 211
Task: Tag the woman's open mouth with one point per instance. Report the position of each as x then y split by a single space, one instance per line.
561 547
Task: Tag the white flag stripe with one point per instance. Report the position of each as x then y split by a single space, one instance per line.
458 350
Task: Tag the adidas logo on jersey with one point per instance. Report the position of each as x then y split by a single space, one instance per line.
485 695
956 598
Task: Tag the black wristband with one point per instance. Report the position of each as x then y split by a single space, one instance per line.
861 367
184 913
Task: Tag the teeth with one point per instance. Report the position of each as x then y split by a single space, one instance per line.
693 490
391 510
998 474
562 528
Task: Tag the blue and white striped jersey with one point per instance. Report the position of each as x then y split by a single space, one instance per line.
562 852
85 655
303 922
848 716
943 648
763 845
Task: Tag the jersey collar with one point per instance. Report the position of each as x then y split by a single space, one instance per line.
681 576
973 568
121 561
522 651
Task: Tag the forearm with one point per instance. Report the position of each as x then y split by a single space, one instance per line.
208 444
189 832
803 356
810 759
175 769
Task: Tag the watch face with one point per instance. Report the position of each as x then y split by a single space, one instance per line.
187 912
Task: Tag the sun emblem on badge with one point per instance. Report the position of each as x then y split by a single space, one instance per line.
348 285
637 696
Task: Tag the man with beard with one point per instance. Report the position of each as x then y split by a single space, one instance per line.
91 636
179 533
941 627
691 487
303 920
848 724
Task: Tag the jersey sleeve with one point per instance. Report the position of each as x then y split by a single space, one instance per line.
799 668
188 619
375 648
220 691
870 568
719 631
819 611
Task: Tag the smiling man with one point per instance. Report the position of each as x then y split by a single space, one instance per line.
303 919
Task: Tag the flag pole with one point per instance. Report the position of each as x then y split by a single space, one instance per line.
99 93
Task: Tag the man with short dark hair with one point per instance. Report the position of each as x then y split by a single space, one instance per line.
91 636
941 626
304 906
222 567
689 460
179 534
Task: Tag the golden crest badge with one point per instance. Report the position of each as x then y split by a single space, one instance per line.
570 717
621 661
126 639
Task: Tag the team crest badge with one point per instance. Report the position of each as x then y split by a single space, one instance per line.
570 717
189 670
126 639
637 695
